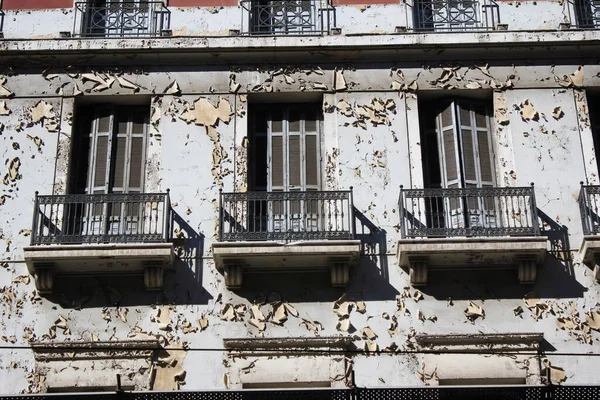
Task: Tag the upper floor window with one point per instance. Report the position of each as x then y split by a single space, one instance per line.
285 17
457 150
122 18
455 15
587 13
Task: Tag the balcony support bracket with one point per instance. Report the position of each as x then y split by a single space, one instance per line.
44 277
340 271
418 267
153 276
526 269
233 270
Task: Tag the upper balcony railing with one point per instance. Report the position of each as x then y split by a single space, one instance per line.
121 19
455 15
436 212
286 17
589 206
586 13
286 216
101 218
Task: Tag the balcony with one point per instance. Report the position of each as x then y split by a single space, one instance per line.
287 17
589 205
481 228
455 15
286 232
121 19
92 234
587 13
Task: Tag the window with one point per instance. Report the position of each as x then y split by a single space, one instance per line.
284 156
455 15
457 154
587 13
108 158
294 17
594 112
122 18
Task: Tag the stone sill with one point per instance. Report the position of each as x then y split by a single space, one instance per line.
233 258
523 253
45 262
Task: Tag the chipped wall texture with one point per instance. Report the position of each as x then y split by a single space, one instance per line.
198 144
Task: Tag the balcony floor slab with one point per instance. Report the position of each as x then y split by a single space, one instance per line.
424 254
150 259
335 255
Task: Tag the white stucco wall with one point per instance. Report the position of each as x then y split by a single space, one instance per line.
375 160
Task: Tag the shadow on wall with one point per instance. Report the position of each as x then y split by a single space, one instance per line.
555 279
182 284
368 281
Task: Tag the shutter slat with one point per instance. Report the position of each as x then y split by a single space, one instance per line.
450 155
295 168
468 155
485 157
312 162
277 167
101 161
120 162
136 165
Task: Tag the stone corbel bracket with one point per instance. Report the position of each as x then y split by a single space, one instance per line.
590 251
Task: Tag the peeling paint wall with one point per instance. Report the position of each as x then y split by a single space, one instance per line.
198 145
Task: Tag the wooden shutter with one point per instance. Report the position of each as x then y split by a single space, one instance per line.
465 145
448 146
294 162
100 145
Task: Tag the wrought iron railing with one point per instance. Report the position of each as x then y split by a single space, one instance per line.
286 216
508 211
101 218
286 17
455 15
586 13
121 18
589 206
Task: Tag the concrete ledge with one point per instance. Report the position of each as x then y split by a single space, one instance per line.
266 48
590 251
234 258
47 262
421 255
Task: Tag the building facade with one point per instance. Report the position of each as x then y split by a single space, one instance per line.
221 195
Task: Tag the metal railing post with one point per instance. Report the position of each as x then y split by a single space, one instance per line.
221 214
534 214
352 224
167 216
34 224
402 212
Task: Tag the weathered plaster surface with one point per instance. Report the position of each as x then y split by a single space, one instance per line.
370 142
